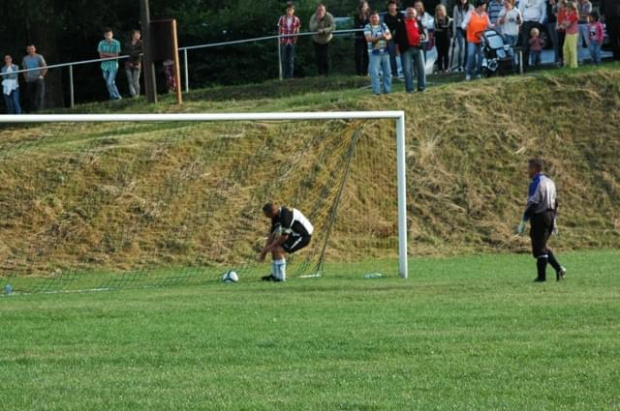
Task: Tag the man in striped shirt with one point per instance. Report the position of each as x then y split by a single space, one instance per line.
288 26
541 212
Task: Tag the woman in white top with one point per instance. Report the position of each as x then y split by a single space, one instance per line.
428 22
10 86
461 9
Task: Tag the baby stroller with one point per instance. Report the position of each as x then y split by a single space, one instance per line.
498 55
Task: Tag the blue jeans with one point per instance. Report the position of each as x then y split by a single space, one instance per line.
512 41
380 62
288 59
12 102
474 50
595 52
459 39
413 62
535 58
392 51
110 81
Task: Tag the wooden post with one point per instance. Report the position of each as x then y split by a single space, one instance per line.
177 65
150 85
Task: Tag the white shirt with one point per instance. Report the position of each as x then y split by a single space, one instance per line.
533 10
510 26
9 85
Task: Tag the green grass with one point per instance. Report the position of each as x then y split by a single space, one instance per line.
467 333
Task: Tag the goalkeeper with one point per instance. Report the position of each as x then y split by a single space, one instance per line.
541 210
290 232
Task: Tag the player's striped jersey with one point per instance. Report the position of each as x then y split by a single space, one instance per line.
292 222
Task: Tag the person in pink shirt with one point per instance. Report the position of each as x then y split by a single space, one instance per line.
596 35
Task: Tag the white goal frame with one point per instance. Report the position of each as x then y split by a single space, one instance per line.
398 116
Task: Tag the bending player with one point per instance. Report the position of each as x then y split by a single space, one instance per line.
290 232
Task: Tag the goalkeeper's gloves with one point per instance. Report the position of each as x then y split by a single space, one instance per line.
555 230
521 227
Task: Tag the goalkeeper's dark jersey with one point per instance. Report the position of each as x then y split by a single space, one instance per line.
292 222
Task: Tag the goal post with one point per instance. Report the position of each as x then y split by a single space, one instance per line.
397 116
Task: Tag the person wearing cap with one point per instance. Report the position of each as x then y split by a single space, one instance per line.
475 23
541 211
290 232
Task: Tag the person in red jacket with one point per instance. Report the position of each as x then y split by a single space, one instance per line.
410 35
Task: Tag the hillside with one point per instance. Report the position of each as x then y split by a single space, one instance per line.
120 196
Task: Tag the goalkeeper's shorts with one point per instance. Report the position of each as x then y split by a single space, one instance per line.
296 243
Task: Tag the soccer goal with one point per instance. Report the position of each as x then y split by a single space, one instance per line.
96 202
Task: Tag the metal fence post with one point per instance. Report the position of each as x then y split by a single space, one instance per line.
186 69
279 58
71 88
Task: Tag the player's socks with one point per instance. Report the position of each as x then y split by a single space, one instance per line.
554 262
541 264
279 269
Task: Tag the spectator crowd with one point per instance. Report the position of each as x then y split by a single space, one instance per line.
382 39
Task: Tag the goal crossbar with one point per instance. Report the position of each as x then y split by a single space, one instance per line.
398 116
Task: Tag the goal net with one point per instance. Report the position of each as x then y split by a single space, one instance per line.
97 202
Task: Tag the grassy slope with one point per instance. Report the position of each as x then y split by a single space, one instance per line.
466 333
467 146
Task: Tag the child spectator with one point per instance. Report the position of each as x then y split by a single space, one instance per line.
170 74
596 35
443 28
536 46
571 27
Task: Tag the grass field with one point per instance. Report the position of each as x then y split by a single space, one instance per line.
466 333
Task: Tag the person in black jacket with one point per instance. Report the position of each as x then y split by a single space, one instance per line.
361 48
410 35
393 19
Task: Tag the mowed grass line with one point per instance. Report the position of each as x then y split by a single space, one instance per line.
467 333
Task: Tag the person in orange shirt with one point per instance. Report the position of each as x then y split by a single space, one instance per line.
475 23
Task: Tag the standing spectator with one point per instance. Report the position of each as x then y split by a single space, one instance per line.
35 79
443 27
584 8
561 31
536 46
377 36
493 8
10 85
361 48
476 22
534 14
461 10
108 48
570 24
133 65
324 25
597 34
392 20
288 26
509 22
409 37
552 24
428 22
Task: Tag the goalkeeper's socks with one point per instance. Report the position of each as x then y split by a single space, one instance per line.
279 269
554 263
